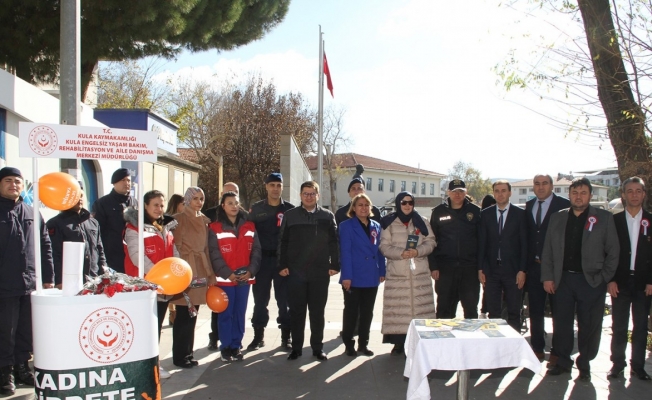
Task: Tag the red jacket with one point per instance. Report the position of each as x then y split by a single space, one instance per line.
156 249
235 250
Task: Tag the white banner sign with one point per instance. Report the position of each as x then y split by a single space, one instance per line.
85 142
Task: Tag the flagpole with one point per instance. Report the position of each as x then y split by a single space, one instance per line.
320 116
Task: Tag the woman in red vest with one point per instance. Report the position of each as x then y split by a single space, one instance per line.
159 244
235 254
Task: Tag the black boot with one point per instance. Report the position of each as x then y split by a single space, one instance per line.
212 342
7 385
23 374
258 342
286 342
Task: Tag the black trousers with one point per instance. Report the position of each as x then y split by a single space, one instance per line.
457 284
267 275
628 297
15 330
183 335
307 296
499 282
574 294
358 303
161 309
215 326
537 308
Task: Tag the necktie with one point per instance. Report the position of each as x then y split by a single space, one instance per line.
539 214
500 229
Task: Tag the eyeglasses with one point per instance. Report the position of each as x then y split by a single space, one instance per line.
407 202
308 194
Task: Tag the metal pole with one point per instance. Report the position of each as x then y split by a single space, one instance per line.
463 384
36 204
320 116
70 65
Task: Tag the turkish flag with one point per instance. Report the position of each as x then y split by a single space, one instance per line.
327 72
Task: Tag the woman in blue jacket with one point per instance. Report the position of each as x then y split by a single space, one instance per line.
363 269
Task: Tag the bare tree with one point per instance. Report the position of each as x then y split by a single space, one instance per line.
476 186
335 140
601 77
131 84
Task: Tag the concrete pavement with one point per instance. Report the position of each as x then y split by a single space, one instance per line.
267 374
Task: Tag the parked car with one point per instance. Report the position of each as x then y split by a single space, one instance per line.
616 206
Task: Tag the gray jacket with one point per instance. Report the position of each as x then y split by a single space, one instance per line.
600 248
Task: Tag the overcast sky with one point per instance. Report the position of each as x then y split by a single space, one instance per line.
415 77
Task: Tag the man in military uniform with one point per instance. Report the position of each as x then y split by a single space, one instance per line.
356 187
107 210
267 215
454 261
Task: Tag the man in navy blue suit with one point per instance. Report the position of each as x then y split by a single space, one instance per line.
538 211
502 254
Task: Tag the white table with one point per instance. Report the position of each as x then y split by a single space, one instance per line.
464 352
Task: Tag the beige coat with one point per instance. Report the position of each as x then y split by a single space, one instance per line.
191 239
408 294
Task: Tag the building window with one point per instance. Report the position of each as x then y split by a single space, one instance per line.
368 184
432 189
557 190
402 186
566 189
414 187
522 191
531 190
381 183
423 189
391 185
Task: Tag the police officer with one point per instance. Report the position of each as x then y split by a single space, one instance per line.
454 261
76 225
107 210
356 187
18 280
267 215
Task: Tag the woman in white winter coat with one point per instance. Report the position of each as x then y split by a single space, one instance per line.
406 242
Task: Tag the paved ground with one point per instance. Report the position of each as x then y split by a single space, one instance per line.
267 374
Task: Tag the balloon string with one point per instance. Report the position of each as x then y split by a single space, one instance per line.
191 309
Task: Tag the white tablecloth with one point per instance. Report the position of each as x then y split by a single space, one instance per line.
468 350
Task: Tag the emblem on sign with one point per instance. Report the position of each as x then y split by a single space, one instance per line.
106 335
43 140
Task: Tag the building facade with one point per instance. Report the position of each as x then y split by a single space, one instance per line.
383 181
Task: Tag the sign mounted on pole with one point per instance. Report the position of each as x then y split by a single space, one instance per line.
85 142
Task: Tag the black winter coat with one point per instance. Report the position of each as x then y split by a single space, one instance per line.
70 226
108 210
456 233
17 265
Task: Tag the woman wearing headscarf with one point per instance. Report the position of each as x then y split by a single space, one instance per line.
235 256
406 241
191 239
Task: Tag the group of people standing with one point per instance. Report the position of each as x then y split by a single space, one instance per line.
567 250
564 250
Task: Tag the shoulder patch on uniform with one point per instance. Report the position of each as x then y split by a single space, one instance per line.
469 216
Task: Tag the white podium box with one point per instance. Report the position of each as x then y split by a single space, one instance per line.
95 346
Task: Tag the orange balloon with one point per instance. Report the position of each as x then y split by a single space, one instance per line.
59 191
172 274
216 299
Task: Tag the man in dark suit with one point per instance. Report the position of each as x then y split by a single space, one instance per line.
580 256
538 211
632 284
502 254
